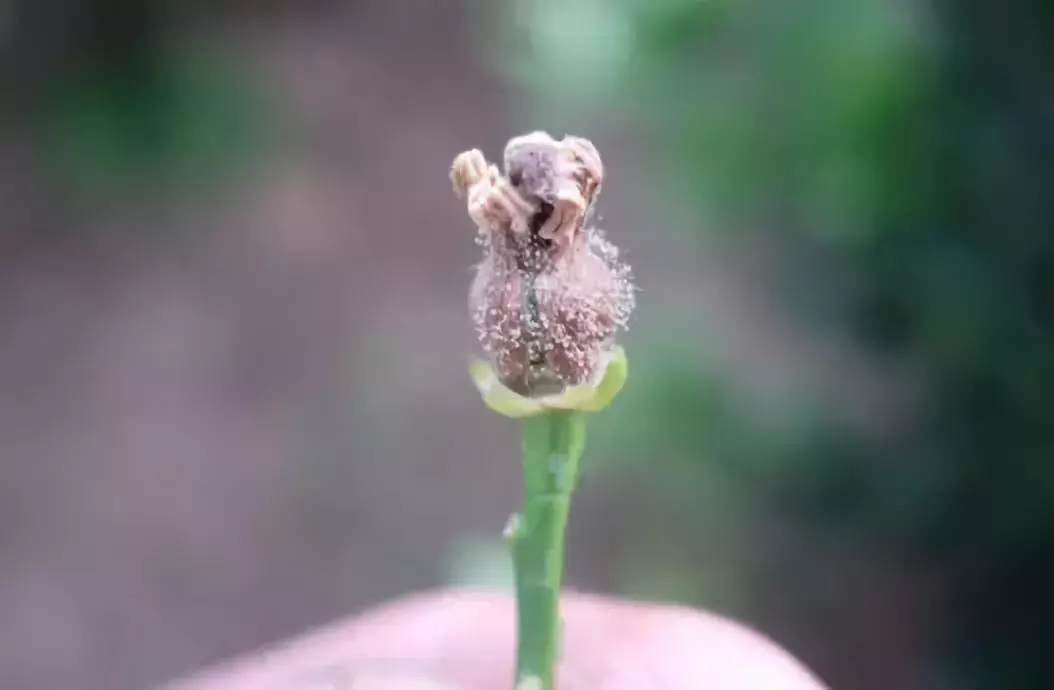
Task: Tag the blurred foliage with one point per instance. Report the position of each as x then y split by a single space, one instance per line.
910 147
193 120
122 98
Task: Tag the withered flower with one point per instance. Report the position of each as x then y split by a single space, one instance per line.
551 292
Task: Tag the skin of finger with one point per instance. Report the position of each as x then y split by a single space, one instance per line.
463 640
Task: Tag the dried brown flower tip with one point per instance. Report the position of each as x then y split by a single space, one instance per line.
467 170
493 204
550 292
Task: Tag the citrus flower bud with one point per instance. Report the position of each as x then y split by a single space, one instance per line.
551 291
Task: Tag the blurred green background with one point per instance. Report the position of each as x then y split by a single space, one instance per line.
233 398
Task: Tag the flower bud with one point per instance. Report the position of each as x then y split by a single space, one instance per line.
551 292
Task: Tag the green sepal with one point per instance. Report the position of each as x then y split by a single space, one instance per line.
587 397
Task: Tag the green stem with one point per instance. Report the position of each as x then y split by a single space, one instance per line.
552 445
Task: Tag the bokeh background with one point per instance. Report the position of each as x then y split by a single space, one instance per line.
233 322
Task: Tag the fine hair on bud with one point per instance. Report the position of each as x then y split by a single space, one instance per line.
551 291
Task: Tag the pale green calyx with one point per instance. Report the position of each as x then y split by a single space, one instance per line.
592 396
